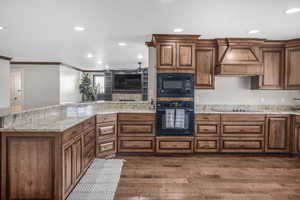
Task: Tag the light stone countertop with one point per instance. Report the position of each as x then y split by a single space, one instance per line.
254 113
61 125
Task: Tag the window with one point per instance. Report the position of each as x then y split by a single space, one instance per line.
99 83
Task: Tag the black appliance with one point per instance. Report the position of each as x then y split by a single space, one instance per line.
127 82
175 85
183 124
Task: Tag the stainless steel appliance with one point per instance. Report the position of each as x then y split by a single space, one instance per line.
175 118
175 85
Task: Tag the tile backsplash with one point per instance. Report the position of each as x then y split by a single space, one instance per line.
237 90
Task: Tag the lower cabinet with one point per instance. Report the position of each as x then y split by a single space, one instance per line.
174 144
242 144
278 134
136 144
296 138
207 144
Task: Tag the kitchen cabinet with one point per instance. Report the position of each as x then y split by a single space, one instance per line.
136 132
205 68
242 133
207 132
273 70
278 133
293 68
173 144
296 131
59 158
175 53
106 135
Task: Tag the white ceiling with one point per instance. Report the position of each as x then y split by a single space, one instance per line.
42 30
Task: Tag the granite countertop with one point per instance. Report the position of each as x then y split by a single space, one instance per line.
255 112
61 125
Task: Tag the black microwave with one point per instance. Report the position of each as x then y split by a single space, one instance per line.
175 85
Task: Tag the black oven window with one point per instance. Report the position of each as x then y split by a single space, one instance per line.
172 84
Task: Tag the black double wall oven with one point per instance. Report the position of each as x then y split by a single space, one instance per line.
175 117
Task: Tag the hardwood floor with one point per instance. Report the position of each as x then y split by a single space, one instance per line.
210 177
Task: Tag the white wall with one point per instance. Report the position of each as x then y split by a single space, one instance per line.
4 83
237 90
41 84
69 85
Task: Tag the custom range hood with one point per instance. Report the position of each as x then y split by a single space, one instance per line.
239 56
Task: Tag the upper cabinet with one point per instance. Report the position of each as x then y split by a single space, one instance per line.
205 65
292 73
273 67
175 53
239 56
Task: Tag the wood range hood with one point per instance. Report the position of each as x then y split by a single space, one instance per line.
239 56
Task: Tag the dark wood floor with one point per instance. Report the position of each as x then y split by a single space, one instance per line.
210 177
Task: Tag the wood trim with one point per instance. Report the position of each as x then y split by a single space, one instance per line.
5 58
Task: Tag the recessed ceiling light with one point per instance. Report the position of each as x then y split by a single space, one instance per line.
100 62
178 30
107 67
122 44
89 55
1 27
79 28
140 56
254 31
292 10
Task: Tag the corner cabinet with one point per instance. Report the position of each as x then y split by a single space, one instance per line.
293 68
278 134
273 67
205 67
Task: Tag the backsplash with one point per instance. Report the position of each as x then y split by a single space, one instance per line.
237 90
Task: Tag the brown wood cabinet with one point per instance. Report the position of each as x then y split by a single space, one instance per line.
45 165
278 133
273 70
242 133
136 132
172 144
106 135
296 131
293 68
205 67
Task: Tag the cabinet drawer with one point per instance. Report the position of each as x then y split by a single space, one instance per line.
136 128
71 133
207 144
106 146
208 117
106 118
242 118
243 129
242 144
106 130
136 144
136 117
207 129
88 124
175 144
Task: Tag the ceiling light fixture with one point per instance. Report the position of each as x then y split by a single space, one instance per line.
100 62
140 56
107 67
253 31
122 44
292 10
79 28
89 55
178 30
1 27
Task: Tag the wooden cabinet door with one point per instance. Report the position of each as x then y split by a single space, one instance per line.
186 55
273 65
166 56
293 68
278 134
67 169
77 158
205 65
